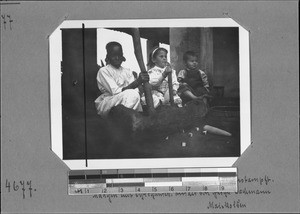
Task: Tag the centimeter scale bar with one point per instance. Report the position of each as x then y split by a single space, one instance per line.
118 181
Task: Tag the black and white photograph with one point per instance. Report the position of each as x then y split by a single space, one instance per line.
149 106
142 90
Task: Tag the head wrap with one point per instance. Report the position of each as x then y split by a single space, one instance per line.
109 47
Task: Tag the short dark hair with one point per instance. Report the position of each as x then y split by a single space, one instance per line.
112 44
153 54
188 54
109 46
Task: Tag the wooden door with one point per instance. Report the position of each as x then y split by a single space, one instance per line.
73 93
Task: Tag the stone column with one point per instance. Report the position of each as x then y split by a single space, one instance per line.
199 40
206 53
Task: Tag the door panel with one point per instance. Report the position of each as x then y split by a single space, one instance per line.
73 88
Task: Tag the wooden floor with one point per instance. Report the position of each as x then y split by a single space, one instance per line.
104 142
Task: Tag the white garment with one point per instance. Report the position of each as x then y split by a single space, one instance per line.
110 82
160 83
160 87
156 100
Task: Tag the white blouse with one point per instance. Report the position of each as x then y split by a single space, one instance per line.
160 83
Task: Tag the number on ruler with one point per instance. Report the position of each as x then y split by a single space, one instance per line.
154 189
104 190
188 188
171 188
86 190
222 188
138 189
205 188
121 189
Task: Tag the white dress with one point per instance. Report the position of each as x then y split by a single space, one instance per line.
160 87
110 82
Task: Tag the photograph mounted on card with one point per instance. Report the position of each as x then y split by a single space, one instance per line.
157 93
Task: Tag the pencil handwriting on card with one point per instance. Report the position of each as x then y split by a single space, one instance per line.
23 187
248 186
7 21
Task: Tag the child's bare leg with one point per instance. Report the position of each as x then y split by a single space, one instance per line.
190 95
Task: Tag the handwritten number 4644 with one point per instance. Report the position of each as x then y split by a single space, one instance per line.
7 20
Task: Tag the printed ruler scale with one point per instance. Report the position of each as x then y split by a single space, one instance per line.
121 181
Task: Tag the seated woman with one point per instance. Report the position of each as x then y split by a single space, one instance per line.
116 83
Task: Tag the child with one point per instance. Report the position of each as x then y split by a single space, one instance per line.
158 73
193 81
116 83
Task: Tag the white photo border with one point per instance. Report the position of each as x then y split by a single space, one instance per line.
56 97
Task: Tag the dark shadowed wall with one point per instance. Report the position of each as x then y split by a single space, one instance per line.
226 60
